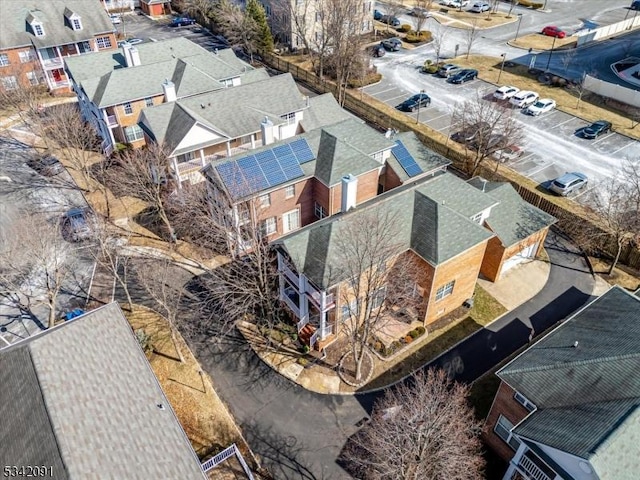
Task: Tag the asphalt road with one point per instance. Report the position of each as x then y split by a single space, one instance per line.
299 434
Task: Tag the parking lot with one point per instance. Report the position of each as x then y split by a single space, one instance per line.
551 144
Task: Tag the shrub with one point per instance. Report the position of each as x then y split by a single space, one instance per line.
378 347
430 66
144 339
404 28
302 361
304 349
529 3
361 82
294 337
413 37
421 330
396 345
408 339
414 334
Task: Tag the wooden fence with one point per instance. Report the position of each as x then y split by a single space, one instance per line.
384 117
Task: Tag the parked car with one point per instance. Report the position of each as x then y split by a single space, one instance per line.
419 12
130 41
480 7
377 50
392 44
448 69
76 225
567 183
523 98
543 105
463 76
458 3
472 133
505 92
419 100
377 14
635 5
596 129
182 21
116 18
508 153
390 20
46 165
551 31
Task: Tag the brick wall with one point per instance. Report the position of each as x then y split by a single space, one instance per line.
496 254
18 69
503 404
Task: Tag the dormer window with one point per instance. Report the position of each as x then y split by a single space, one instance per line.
38 30
73 18
34 19
76 24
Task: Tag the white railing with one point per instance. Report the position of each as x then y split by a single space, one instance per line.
300 325
189 166
213 462
112 121
294 308
314 338
234 151
290 274
532 470
63 83
316 296
52 62
326 331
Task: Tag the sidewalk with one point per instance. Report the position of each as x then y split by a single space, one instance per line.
515 288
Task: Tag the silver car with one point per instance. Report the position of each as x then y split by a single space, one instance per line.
568 183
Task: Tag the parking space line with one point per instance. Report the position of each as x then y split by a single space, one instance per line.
602 138
566 121
446 126
622 148
530 174
521 159
382 91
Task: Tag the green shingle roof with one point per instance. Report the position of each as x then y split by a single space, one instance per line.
15 31
426 158
583 378
432 229
512 219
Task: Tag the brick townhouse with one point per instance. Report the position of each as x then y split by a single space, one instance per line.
568 407
36 37
113 89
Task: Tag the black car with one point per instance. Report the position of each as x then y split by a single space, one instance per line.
392 44
46 165
377 15
463 76
377 50
181 21
419 100
390 20
596 129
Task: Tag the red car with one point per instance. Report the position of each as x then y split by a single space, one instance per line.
553 32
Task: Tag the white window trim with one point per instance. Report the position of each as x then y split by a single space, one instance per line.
445 290
289 191
5 62
286 225
148 101
524 401
127 106
75 21
38 29
264 200
10 82
138 133
477 218
103 42
269 226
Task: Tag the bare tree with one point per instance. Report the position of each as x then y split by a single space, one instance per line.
145 173
422 429
36 265
438 35
419 20
239 29
512 5
393 8
471 34
377 276
485 127
156 277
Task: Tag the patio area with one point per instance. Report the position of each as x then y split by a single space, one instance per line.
398 324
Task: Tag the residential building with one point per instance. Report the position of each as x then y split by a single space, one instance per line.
120 5
204 128
35 38
292 21
568 407
113 88
80 401
156 8
443 223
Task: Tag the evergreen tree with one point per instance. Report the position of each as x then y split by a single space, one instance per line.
256 11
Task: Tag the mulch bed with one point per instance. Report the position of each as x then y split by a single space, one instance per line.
348 369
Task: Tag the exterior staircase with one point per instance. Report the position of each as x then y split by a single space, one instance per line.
305 334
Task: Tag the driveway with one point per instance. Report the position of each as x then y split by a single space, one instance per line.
299 434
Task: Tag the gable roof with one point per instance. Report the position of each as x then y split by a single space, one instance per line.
426 158
95 403
107 80
432 229
235 111
15 14
512 219
588 395
324 110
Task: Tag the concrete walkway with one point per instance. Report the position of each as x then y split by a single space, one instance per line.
300 434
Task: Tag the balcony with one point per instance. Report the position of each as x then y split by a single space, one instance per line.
317 297
189 166
531 470
291 276
223 153
53 63
60 84
112 121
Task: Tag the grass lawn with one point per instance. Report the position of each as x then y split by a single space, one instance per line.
485 309
621 275
537 41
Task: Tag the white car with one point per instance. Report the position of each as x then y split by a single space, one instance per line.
508 153
505 92
480 7
523 98
543 105
116 18
458 3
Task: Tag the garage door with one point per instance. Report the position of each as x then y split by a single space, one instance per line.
520 257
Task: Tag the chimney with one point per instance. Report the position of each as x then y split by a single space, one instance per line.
266 129
349 192
169 89
135 57
126 53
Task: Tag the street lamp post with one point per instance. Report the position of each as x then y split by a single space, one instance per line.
551 53
518 29
504 56
419 103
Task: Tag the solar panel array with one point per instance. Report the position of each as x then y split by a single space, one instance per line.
265 169
406 161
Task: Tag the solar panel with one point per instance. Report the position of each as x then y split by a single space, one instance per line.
271 168
302 150
252 173
232 178
281 150
406 161
290 166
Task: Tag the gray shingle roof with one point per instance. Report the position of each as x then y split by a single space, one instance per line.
235 111
101 398
512 219
427 159
107 81
324 110
589 394
15 32
428 226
